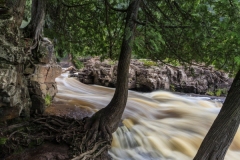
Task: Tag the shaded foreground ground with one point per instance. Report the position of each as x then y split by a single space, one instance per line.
63 137
57 134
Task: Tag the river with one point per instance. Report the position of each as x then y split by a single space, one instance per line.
157 126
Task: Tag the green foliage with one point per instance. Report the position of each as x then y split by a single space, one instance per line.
172 62
148 63
217 92
91 29
3 140
76 61
48 99
175 32
111 62
210 93
27 14
172 88
78 64
220 92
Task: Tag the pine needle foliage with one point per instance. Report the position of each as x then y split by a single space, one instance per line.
196 31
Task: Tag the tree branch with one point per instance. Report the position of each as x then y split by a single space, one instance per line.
163 26
176 26
160 10
138 22
71 6
230 1
115 9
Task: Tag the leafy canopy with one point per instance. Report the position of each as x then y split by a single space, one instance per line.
193 31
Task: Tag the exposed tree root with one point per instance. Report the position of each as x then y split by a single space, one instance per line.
98 148
96 129
54 129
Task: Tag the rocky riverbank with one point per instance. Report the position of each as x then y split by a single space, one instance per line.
146 78
27 76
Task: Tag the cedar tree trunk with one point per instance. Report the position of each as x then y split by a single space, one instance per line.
34 28
223 129
106 120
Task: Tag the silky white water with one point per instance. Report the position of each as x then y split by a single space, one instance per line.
157 126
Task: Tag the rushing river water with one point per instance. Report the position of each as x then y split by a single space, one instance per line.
157 126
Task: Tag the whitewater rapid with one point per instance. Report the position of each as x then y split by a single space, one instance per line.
157 126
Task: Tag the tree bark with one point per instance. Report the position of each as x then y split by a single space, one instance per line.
224 128
35 27
108 24
119 100
106 120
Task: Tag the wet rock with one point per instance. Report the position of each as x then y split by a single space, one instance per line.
193 79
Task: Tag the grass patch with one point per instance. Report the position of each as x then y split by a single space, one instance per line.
172 88
210 93
218 92
111 62
148 63
172 62
47 99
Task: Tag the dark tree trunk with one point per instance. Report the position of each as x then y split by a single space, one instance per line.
106 120
118 102
108 24
35 27
224 128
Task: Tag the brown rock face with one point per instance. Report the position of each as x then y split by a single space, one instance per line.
25 79
41 76
192 79
14 95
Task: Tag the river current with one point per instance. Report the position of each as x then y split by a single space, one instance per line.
157 126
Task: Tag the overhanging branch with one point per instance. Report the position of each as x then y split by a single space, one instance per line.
77 5
115 9
138 22
176 26
230 1
163 26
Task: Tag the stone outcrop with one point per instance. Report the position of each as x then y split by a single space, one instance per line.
193 79
25 78
14 95
41 76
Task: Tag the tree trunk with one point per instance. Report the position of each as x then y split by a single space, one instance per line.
106 120
35 27
222 131
118 102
